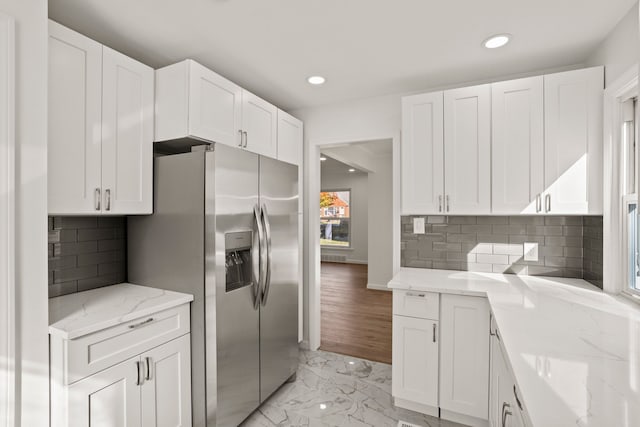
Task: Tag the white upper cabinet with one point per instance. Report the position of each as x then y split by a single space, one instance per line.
259 125
290 138
127 134
100 138
193 101
464 350
517 117
75 122
422 154
573 141
528 146
467 150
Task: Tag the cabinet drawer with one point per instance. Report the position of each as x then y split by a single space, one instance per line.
424 305
94 352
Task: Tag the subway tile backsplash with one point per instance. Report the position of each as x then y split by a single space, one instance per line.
568 246
86 253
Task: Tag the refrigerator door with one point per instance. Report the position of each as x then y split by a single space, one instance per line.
279 305
232 313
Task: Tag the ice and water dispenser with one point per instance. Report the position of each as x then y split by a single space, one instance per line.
238 263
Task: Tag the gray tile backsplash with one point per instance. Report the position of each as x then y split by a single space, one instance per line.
568 246
86 253
593 252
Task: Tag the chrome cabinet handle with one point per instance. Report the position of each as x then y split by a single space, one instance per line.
434 332
144 322
246 139
261 253
107 194
498 335
538 203
148 361
491 333
267 230
440 203
447 199
547 200
140 379
515 394
97 198
241 136
505 413
411 294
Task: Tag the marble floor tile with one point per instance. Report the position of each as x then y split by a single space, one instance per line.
333 390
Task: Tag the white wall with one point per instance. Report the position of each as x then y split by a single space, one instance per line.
359 186
32 351
619 51
381 224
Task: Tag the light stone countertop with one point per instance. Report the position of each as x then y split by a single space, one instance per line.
75 315
574 350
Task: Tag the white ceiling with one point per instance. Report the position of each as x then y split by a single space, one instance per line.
332 166
363 47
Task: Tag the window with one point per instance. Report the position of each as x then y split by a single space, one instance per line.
630 197
335 218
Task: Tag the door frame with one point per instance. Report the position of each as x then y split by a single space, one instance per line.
7 225
312 223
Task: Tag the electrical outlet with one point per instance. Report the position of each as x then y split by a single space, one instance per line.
418 225
531 251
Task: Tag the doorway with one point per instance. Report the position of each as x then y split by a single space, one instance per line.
356 246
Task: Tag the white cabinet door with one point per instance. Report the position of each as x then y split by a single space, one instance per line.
127 135
467 150
166 392
290 138
573 141
106 399
74 135
415 360
464 363
517 116
260 124
215 106
422 154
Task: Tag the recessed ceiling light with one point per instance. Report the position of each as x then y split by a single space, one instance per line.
352 170
316 80
322 159
496 41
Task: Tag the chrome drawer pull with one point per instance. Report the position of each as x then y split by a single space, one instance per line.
136 325
411 294
515 394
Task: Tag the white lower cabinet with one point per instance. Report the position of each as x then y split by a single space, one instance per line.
464 350
147 380
441 355
415 361
505 406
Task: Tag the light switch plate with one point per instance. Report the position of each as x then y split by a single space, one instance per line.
530 251
418 225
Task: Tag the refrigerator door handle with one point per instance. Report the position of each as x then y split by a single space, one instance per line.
257 286
267 280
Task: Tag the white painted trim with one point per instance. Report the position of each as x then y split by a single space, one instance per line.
377 287
312 206
463 419
7 226
416 407
614 263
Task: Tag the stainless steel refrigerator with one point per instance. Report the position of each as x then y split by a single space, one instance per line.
225 229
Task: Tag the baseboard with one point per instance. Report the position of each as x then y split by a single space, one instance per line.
377 287
356 261
304 345
416 407
463 419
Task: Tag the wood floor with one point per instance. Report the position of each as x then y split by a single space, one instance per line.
356 321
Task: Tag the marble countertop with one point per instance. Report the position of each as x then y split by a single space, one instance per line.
75 315
574 350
